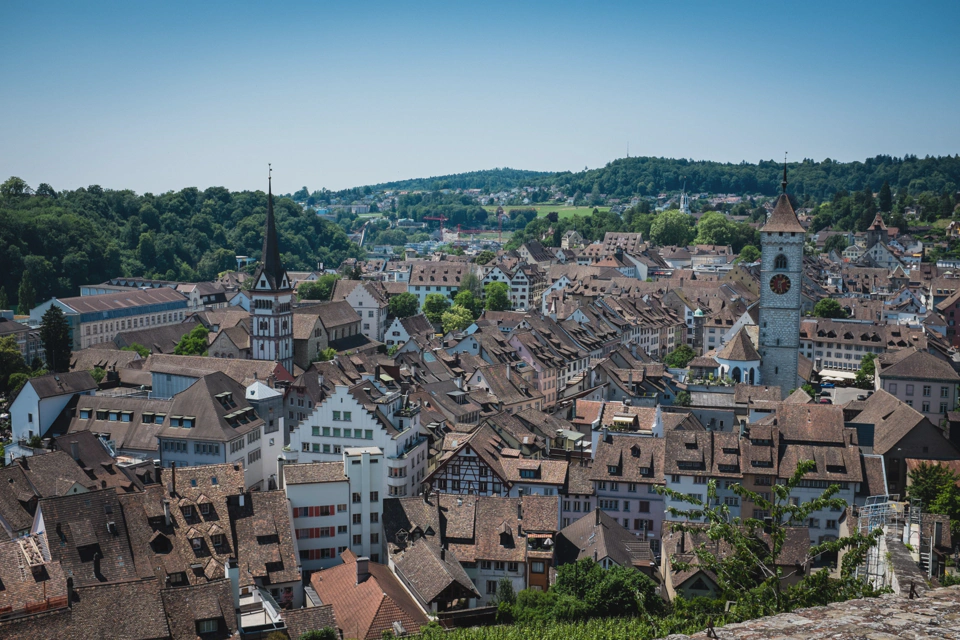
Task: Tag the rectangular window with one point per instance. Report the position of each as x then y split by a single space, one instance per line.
943 392
374 538
374 496
491 587
700 479
358 539
346 416
356 498
537 567
336 415
315 432
909 389
207 626
892 387
926 391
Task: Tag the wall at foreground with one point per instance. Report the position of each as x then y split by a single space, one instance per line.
936 614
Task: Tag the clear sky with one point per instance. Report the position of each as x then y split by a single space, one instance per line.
164 95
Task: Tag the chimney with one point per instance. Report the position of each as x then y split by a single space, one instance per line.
74 450
242 498
597 514
173 478
363 569
509 366
70 592
681 545
520 509
280 479
166 511
606 436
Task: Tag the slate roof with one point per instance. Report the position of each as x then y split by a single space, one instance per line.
429 571
913 364
783 219
79 538
123 300
740 348
59 384
597 535
367 609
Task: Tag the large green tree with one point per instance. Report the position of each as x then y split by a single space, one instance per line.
497 296
26 295
319 289
11 361
671 228
885 199
57 339
194 343
865 374
928 480
829 308
434 306
467 300
748 569
748 254
680 357
836 243
404 305
456 319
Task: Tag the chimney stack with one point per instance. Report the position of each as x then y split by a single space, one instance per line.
74 450
166 511
597 514
363 569
681 546
173 478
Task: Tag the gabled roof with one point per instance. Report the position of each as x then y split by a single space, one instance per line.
60 384
783 219
597 535
740 348
430 570
370 607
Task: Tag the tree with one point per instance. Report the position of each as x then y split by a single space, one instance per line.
319 289
404 305
928 480
865 375
618 591
467 300
327 633
497 296
885 199
26 295
838 242
683 399
3 298
748 570
326 355
434 306
484 257
748 254
98 374
139 348
57 339
713 228
671 228
194 343
470 282
456 319
829 308
680 357
14 187
11 361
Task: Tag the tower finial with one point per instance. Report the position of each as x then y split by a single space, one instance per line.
783 185
269 176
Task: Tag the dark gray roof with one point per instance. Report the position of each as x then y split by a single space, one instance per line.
59 384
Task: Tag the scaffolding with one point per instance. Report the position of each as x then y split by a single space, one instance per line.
885 512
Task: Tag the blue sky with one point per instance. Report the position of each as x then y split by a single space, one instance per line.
160 96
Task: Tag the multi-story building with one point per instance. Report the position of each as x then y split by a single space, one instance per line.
40 403
370 303
27 338
436 277
98 319
919 379
365 416
836 347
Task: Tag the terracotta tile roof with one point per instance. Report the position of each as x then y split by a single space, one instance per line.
366 609
18 500
540 513
30 578
105 358
300 621
93 457
158 339
597 535
913 364
892 420
746 393
431 572
309 473
242 371
551 472
54 473
578 479
812 423
265 545
185 606
635 459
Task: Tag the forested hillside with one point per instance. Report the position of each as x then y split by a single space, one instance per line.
68 238
648 176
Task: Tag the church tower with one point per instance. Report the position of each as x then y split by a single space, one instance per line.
271 298
781 267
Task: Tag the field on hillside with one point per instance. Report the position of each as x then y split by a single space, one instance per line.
543 209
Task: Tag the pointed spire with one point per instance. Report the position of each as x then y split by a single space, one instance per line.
783 185
270 264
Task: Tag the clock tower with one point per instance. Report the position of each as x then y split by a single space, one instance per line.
781 269
271 300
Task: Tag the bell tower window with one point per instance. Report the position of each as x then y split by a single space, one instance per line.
780 262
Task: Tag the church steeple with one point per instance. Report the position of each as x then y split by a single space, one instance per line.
271 268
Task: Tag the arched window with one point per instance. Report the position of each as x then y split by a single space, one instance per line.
780 262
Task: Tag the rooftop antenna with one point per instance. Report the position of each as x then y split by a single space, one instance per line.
783 185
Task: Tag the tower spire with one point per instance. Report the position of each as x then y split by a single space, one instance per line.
270 263
783 185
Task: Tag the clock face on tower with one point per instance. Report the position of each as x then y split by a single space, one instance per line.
780 284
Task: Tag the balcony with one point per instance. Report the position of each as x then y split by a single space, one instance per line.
407 412
402 454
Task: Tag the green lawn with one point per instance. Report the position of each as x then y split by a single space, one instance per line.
543 209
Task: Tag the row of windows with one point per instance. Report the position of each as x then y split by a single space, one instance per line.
319 532
132 323
317 512
927 390
326 432
497 565
253 456
643 506
206 449
176 447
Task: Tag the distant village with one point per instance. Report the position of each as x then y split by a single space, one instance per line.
331 464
